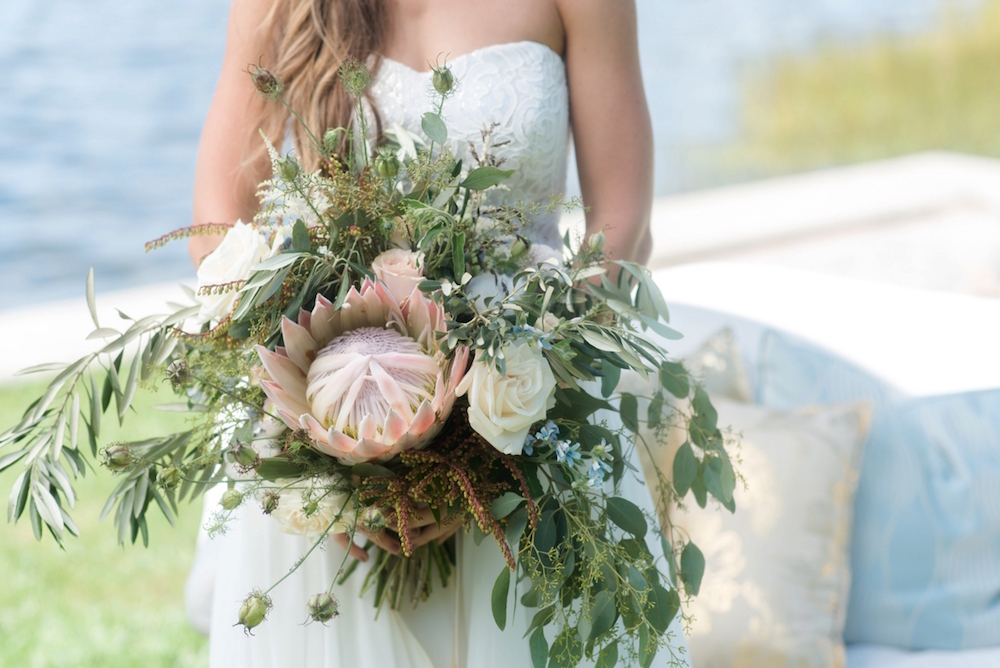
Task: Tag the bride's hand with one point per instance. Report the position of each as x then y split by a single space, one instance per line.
424 528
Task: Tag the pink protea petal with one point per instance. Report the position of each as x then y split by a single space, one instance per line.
299 344
369 449
395 427
350 398
391 391
284 372
291 421
341 441
438 393
459 367
330 393
423 420
367 428
316 431
304 318
320 322
282 399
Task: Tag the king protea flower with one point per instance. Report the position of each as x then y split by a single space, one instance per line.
366 381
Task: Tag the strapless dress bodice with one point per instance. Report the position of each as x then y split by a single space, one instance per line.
518 89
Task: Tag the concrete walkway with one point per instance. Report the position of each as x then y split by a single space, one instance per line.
929 220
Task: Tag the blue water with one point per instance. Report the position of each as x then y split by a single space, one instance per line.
101 105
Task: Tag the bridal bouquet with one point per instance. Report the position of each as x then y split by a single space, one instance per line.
379 343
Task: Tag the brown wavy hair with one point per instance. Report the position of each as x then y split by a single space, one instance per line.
306 43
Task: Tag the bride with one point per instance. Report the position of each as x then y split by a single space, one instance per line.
524 68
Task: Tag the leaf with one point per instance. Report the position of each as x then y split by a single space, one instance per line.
627 515
719 479
662 607
668 333
699 491
608 658
516 525
692 568
600 341
541 618
629 408
277 262
506 504
300 238
706 415
567 650
103 333
610 375
91 301
539 648
434 127
675 380
131 385
603 615
655 411
485 177
42 368
95 409
501 590
685 469
275 469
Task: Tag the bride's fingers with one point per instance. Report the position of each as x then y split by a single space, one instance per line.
415 520
345 542
383 539
434 532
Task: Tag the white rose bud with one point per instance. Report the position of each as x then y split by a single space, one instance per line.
401 271
241 250
503 408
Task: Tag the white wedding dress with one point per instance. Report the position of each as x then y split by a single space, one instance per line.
521 87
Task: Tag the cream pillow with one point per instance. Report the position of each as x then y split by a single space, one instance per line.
777 571
718 366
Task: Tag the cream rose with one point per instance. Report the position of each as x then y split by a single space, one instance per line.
503 408
400 271
241 250
291 512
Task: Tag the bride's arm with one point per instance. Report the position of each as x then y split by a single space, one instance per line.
611 127
224 188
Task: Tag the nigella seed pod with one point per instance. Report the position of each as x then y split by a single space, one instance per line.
169 477
374 520
116 457
331 139
387 165
443 80
596 242
231 499
246 457
288 169
266 83
518 248
270 502
178 373
254 610
322 608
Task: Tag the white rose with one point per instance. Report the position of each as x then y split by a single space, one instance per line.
548 323
292 517
400 270
241 250
503 408
542 254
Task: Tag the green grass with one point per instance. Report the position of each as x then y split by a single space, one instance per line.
844 104
97 604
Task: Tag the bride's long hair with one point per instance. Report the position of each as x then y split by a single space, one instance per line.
306 43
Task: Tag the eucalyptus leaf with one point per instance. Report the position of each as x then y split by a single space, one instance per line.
434 127
610 376
692 568
603 615
629 408
627 516
485 177
662 607
675 379
608 658
539 648
300 237
501 591
685 469
506 504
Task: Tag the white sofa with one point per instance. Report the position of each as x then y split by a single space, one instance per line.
922 344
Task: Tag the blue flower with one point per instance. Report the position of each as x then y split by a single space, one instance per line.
529 445
549 432
568 453
598 470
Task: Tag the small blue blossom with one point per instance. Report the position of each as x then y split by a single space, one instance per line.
598 470
529 445
549 432
287 243
568 453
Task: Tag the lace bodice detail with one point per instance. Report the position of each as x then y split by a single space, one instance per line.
521 87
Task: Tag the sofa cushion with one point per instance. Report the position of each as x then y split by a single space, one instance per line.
925 554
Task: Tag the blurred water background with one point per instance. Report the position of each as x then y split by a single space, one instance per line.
101 105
